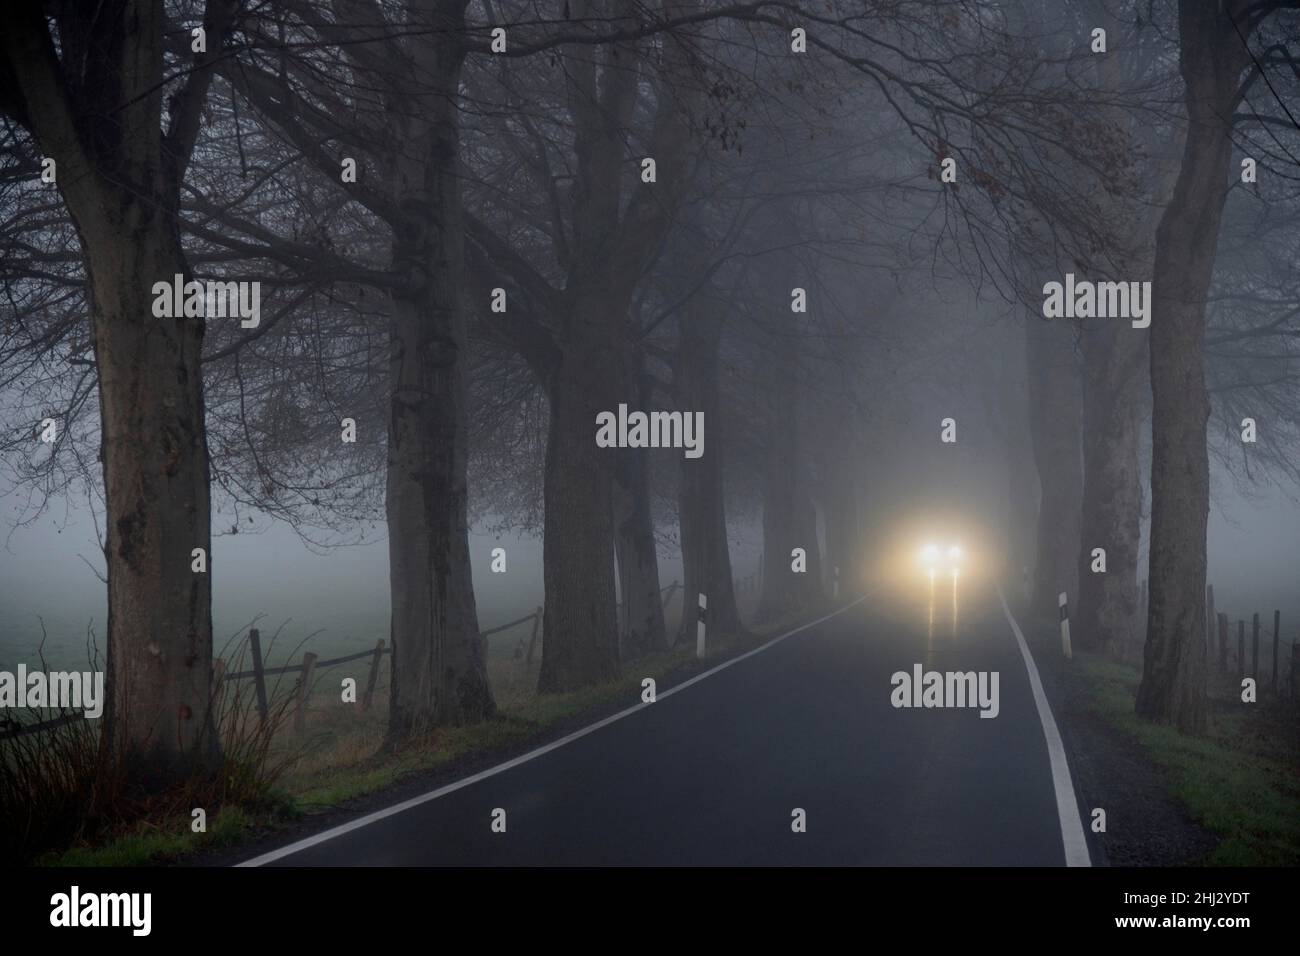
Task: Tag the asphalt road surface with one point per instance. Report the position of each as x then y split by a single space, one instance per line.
711 775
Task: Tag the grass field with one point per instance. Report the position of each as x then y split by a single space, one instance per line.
1241 780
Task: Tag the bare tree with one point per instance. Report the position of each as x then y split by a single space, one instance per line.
1213 55
398 116
94 92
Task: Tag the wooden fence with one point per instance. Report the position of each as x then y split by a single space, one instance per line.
306 670
309 667
1224 656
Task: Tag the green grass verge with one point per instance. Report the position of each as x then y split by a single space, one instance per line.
150 843
516 725
1241 780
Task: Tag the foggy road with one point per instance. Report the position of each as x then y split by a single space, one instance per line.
712 775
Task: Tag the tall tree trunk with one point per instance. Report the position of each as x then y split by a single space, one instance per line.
1054 423
789 518
1114 366
94 105
839 499
439 672
702 513
642 623
618 225
155 455
1173 679
843 561
1112 484
1023 507
809 585
581 637
1008 415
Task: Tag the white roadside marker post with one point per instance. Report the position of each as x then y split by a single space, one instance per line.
1065 626
699 627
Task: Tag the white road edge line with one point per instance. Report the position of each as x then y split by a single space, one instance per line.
1067 807
378 815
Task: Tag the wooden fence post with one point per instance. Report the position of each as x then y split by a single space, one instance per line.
1223 643
304 691
532 638
1254 644
1277 636
1241 649
374 677
259 672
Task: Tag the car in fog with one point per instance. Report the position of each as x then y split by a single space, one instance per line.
936 558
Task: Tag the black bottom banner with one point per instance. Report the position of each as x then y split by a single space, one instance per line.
331 906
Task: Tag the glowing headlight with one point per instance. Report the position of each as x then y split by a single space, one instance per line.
954 553
930 554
